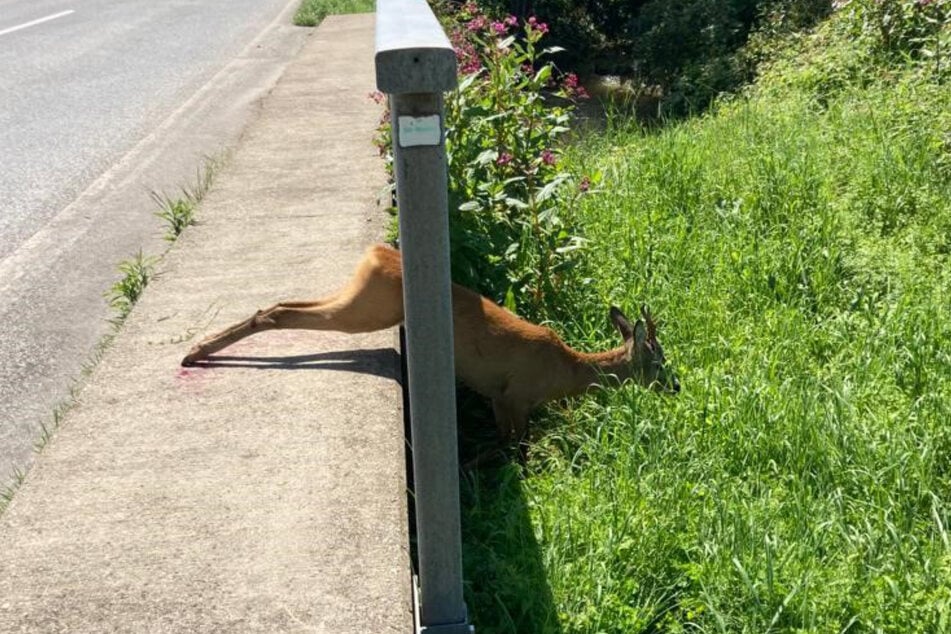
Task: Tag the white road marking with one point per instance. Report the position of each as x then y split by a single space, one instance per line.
27 25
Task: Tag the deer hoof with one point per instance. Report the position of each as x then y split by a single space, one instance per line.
192 357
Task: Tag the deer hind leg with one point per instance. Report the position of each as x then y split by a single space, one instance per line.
371 301
260 321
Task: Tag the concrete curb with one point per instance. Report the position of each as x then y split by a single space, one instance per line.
266 492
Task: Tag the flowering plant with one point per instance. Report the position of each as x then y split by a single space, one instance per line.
508 190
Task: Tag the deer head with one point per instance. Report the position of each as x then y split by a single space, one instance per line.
644 354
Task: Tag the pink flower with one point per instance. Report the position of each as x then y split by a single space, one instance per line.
377 96
585 184
471 66
511 21
504 159
477 24
573 87
535 25
548 157
499 28
467 58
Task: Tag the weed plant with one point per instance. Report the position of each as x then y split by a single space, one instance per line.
796 241
7 491
136 274
179 213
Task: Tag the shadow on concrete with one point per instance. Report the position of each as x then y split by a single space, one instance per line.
382 362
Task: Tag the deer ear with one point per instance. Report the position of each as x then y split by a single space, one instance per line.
640 334
622 323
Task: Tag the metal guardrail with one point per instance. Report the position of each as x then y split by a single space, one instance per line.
415 65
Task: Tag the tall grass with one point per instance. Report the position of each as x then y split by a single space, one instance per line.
798 250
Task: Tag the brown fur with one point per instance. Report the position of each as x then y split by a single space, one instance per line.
517 364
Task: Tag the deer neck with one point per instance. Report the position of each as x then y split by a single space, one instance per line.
598 368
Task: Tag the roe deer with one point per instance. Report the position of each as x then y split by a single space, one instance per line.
517 364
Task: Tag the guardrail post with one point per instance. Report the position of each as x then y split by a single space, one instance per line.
415 64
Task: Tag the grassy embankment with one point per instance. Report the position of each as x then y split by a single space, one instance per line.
312 12
796 242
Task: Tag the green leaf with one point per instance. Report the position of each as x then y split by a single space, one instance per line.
549 215
507 42
549 190
575 244
487 157
509 302
467 82
543 74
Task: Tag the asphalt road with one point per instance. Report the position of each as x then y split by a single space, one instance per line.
102 102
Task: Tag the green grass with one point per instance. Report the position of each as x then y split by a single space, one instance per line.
179 212
9 490
312 12
136 272
796 243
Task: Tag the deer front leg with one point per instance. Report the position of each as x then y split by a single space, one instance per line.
511 419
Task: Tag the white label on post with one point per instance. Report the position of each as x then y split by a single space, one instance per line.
419 131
